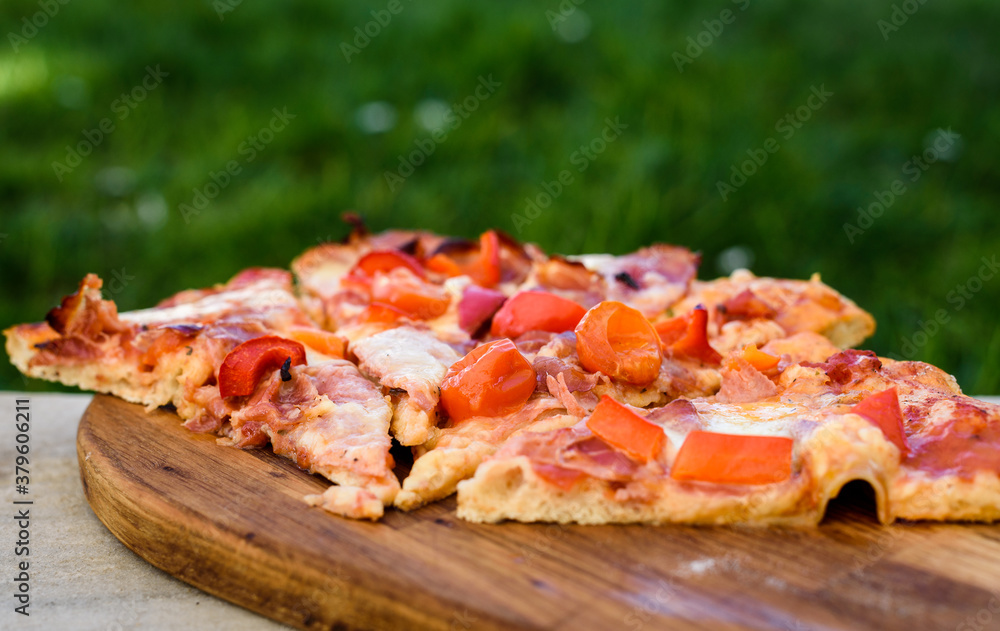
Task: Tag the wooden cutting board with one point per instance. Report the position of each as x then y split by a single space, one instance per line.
233 524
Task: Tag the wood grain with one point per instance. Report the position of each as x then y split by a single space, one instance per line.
233 523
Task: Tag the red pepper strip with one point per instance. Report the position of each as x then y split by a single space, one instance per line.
883 410
244 365
487 272
484 269
733 459
694 342
623 429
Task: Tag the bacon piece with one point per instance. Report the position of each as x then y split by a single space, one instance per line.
573 449
84 322
329 419
456 451
557 387
594 457
650 280
742 383
848 367
576 380
558 476
679 415
570 279
954 435
532 342
745 305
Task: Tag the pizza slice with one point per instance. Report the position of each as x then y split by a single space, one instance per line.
745 309
759 454
564 375
241 360
410 364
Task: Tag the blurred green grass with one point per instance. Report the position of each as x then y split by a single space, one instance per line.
118 211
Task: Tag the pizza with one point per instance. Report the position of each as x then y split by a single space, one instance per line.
576 389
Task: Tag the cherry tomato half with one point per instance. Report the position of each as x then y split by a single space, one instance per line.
492 380
620 342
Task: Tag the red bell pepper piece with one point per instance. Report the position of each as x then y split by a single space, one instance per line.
536 311
622 428
693 343
244 365
733 459
883 410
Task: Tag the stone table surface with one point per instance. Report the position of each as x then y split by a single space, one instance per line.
80 576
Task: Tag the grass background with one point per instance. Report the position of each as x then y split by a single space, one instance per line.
118 211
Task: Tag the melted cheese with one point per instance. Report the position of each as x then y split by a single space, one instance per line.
250 299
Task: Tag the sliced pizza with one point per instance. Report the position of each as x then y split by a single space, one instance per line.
745 309
241 360
759 454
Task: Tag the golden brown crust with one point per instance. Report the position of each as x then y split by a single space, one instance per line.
795 305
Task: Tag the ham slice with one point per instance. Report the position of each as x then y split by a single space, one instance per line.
329 419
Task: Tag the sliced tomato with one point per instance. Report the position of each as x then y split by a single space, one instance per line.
693 343
319 340
536 310
244 365
492 380
760 360
883 410
623 429
618 341
733 459
417 298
